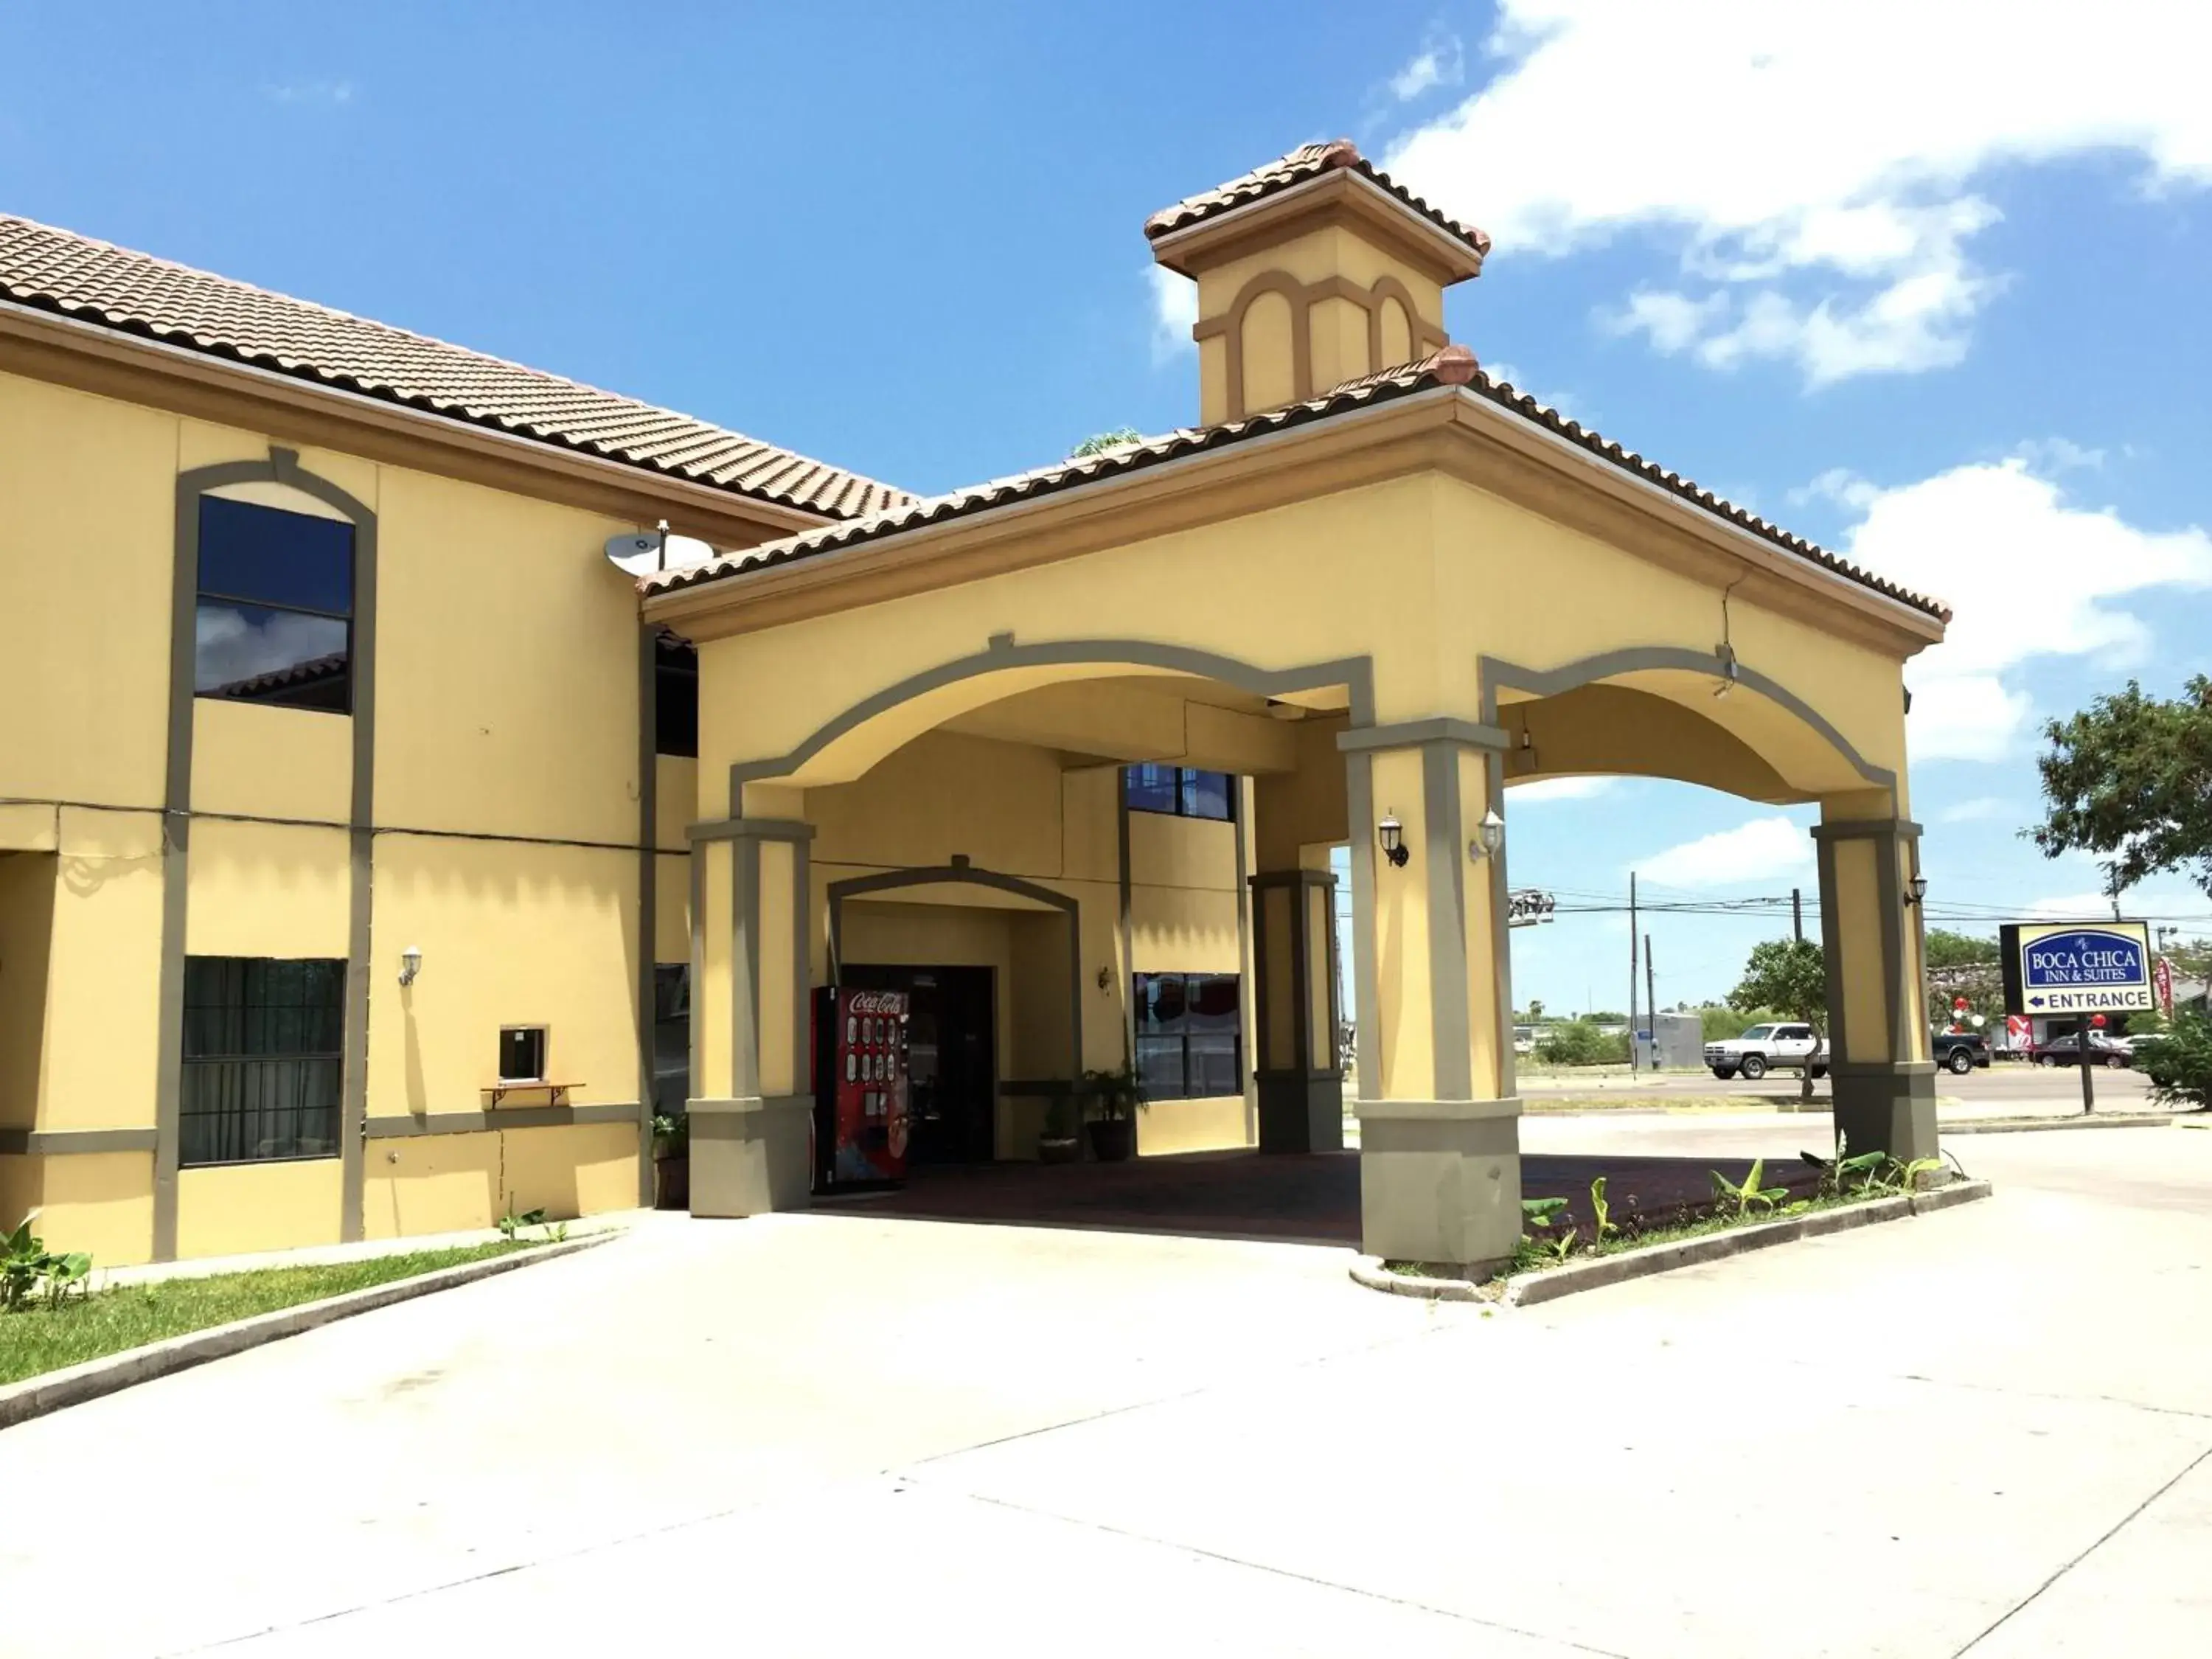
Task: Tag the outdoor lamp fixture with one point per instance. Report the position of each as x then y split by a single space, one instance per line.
1916 890
1489 837
1392 835
411 963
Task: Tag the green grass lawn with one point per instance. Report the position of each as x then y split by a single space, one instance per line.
40 1339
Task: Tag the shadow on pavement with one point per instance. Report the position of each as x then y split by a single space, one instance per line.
1310 1198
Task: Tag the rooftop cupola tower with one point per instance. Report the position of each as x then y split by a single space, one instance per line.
1312 270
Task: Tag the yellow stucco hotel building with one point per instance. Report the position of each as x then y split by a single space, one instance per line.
375 856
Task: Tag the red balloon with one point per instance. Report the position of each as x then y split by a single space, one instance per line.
1958 1002
2097 1021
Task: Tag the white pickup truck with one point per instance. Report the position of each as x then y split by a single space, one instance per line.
1765 1047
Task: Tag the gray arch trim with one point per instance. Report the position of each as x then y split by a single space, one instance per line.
1355 674
283 467
1496 672
891 880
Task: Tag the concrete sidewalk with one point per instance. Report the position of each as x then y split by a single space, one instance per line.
1985 1432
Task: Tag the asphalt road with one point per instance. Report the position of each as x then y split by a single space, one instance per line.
1994 1090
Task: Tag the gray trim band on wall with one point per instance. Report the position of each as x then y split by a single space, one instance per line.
649 894
71 1143
1367 1025
748 830
1355 674
501 1117
1831 946
283 467
745 968
1496 673
1443 831
1857 828
1409 734
1501 939
1248 970
1125 926
891 880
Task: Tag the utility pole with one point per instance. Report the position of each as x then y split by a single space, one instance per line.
1797 913
1631 973
1650 1003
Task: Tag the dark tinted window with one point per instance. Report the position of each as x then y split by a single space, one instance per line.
264 1065
1189 1036
522 1053
1154 788
671 1036
676 704
1182 791
274 620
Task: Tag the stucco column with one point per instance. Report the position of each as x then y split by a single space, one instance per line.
1883 1080
1440 1161
751 1017
1301 1091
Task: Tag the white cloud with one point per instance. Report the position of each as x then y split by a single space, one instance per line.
1544 789
2028 575
1972 811
311 91
1441 62
1175 313
1814 164
2061 455
1757 851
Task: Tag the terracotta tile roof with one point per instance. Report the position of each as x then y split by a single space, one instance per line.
1452 365
1307 162
56 271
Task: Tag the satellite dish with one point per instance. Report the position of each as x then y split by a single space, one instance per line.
635 555
656 550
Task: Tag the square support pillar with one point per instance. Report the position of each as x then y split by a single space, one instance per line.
1440 1161
752 1117
1300 1084
1881 1078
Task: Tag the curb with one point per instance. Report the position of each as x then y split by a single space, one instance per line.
35 1396
2008 1126
1525 1290
2192 1121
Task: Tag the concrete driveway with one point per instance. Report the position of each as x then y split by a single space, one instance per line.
1985 1431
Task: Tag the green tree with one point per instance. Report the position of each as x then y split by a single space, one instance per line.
2179 1064
2130 778
1101 443
1964 965
1791 975
1579 1042
1718 1022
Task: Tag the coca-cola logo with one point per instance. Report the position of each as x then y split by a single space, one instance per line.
877 1002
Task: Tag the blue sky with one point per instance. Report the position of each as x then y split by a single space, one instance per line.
1925 283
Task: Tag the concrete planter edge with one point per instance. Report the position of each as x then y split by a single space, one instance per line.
35 1396
1548 1285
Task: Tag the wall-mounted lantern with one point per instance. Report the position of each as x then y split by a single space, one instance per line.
1105 976
1916 890
1393 835
411 963
1489 837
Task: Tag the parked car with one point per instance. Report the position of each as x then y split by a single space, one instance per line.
1959 1052
1764 1048
2066 1051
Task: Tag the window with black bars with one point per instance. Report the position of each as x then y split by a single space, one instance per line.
264 1059
1189 1037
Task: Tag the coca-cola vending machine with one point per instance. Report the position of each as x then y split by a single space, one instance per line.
859 1088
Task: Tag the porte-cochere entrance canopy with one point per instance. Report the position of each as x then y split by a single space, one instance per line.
1376 583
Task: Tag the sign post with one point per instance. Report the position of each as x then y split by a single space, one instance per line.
2088 969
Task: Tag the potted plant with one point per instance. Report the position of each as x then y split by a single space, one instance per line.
1060 1143
1114 1096
671 1161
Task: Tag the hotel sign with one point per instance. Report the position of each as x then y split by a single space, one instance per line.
2076 967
